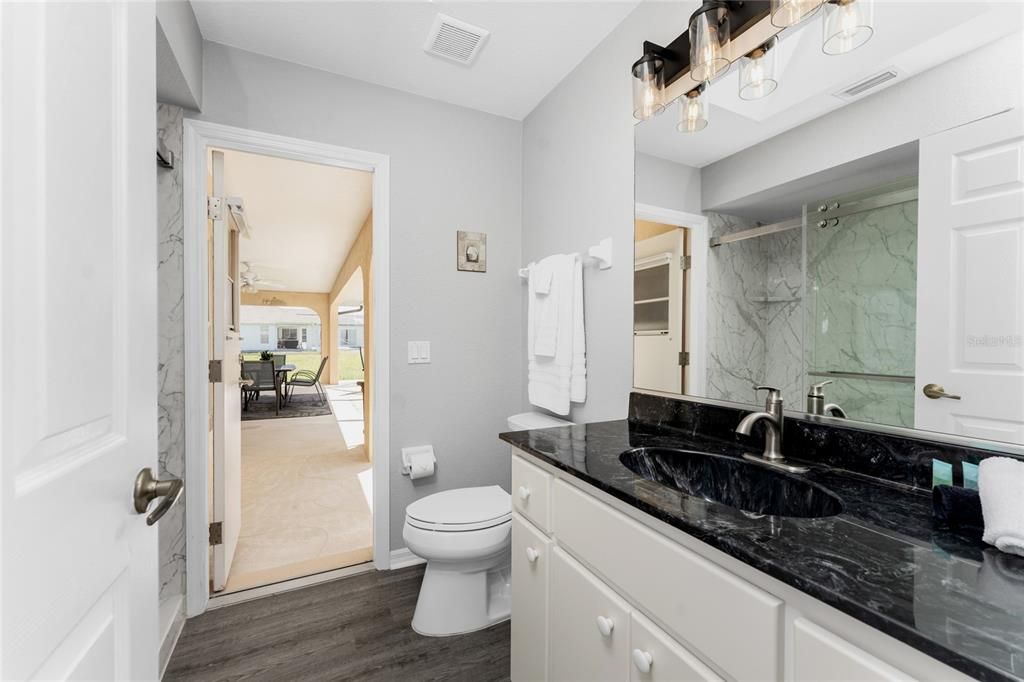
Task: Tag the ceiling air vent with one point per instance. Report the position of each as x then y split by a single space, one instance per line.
861 87
455 40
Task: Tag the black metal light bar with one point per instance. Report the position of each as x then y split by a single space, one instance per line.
743 14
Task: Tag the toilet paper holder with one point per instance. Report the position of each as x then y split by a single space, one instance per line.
420 457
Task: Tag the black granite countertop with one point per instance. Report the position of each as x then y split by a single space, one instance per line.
880 560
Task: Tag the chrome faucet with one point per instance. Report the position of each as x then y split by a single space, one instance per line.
817 406
774 422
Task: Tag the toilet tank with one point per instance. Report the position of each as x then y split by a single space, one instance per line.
534 420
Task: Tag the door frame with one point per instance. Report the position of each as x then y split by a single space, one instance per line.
698 292
198 136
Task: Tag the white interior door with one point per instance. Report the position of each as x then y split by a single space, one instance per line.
970 283
78 413
226 405
656 351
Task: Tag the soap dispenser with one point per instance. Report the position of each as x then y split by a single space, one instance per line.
816 402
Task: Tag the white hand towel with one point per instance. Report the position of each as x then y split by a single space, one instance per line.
544 305
1001 486
579 336
550 374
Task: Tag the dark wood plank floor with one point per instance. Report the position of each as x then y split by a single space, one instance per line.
356 628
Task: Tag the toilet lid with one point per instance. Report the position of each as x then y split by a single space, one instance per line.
461 509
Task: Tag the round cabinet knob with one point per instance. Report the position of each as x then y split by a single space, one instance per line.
532 554
524 493
605 625
642 660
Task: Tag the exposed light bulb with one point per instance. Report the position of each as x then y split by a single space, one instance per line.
847 25
757 72
693 111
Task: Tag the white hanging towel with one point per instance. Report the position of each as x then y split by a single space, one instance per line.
556 340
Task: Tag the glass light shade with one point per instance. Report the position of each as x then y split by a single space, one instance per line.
757 73
648 87
848 24
693 111
791 12
710 46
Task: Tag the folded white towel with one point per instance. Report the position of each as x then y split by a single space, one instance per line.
548 282
1001 486
557 343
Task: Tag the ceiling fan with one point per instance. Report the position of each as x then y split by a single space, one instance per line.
252 282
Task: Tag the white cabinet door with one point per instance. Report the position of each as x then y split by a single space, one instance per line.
78 417
588 626
821 656
531 554
970 281
656 657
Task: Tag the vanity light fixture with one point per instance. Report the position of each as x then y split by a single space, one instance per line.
757 71
710 45
847 25
648 86
791 12
693 110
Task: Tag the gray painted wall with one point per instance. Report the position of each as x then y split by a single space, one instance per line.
666 184
179 55
578 188
451 169
918 107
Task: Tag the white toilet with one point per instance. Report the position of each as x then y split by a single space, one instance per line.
465 536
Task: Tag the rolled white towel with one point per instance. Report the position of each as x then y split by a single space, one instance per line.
1001 486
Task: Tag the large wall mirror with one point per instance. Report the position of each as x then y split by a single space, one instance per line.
860 229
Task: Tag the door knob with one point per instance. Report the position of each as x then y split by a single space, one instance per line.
605 625
935 391
524 493
531 554
642 660
148 488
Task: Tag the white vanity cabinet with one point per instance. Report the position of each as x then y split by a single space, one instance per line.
601 593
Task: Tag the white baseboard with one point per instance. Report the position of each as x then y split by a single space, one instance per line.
403 558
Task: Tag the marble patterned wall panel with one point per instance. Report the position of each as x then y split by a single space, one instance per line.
862 307
736 324
782 258
171 361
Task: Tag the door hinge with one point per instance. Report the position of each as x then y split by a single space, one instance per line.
217 533
684 359
216 375
685 262
215 208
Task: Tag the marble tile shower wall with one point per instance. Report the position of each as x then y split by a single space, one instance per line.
862 306
755 319
171 349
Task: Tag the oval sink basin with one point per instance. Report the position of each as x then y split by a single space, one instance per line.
734 482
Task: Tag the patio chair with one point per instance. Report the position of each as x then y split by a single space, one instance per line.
279 359
304 377
264 378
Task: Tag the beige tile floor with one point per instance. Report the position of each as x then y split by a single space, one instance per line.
303 507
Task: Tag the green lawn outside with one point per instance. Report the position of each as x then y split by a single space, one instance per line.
349 366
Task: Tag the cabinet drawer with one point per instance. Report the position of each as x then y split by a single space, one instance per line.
588 626
656 657
531 556
731 622
531 491
821 656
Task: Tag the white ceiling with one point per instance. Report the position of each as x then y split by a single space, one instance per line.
532 45
304 217
911 36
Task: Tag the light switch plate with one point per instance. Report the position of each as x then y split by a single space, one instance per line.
419 352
